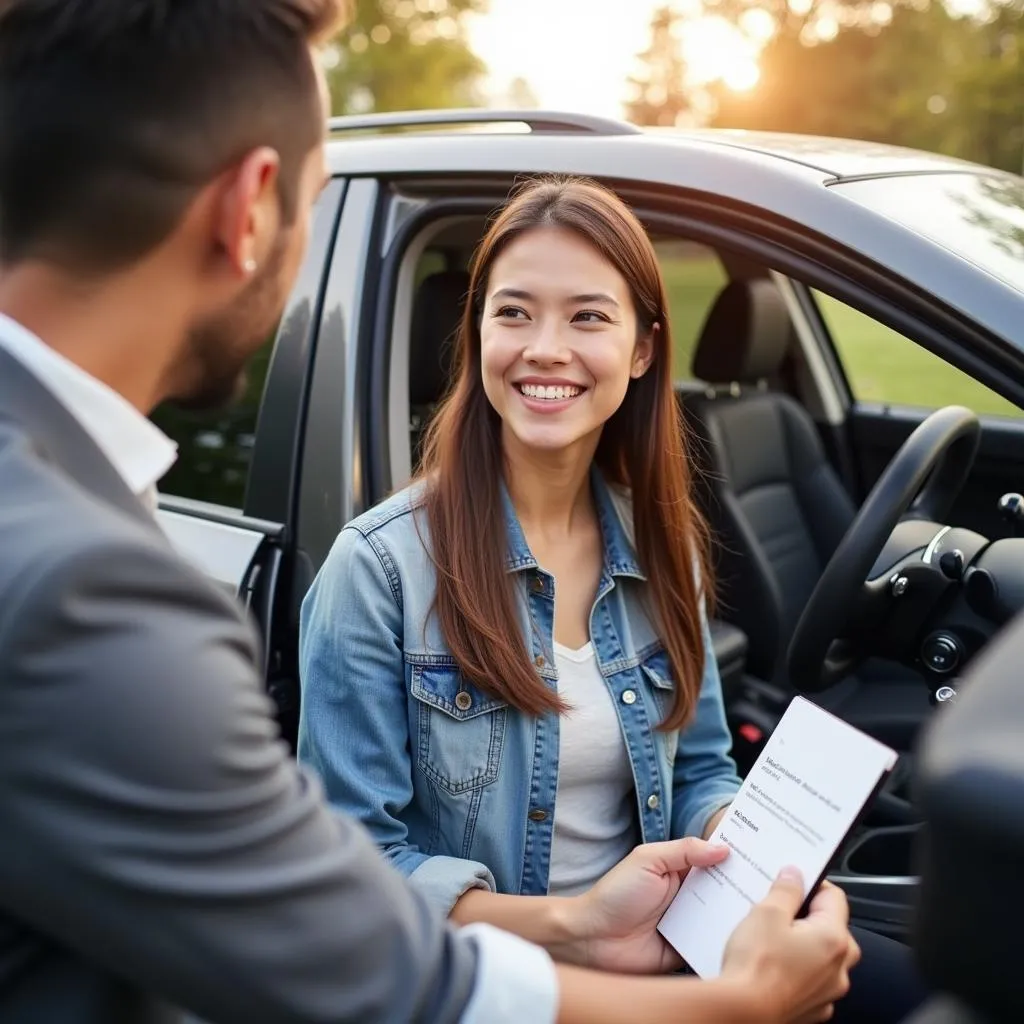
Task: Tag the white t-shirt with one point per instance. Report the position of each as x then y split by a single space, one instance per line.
595 805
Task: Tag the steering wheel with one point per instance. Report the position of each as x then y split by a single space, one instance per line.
923 478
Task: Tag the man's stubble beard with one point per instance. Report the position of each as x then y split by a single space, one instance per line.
221 347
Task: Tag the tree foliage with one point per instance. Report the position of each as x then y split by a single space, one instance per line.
909 72
405 55
658 94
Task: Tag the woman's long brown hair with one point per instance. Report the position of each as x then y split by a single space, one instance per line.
643 446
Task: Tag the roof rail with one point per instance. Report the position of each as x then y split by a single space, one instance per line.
536 120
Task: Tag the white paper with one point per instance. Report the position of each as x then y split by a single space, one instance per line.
800 799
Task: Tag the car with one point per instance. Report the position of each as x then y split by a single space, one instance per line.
849 336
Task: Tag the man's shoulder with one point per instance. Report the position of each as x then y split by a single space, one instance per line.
52 528
44 515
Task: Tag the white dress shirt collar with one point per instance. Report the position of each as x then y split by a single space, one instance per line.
138 450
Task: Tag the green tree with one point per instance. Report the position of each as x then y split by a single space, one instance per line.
986 103
658 93
924 78
405 55
882 82
805 19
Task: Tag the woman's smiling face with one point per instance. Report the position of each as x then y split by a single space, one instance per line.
559 340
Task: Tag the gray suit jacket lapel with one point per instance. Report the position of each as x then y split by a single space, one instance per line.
60 439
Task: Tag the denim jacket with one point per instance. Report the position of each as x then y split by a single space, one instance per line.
457 788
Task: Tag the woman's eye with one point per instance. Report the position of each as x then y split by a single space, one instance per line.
590 316
510 313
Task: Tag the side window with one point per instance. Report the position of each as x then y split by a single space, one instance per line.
882 365
215 449
694 276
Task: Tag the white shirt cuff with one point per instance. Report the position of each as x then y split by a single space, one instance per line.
515 981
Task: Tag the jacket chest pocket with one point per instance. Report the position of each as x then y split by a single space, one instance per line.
657 671
459 730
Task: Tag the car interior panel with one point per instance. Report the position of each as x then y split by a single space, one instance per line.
970 788
436 310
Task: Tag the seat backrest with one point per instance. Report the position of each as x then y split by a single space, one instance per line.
776 506
436 312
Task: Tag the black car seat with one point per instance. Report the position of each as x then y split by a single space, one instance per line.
776 505
436 311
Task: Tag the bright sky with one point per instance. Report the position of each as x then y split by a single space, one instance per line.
577 54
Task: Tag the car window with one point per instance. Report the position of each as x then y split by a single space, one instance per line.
882 365
694 276
215 449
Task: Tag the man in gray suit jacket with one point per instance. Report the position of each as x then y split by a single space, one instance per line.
158 848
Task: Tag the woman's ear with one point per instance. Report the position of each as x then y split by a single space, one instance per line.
643 354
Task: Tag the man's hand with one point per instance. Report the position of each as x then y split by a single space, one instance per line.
800 966
617 919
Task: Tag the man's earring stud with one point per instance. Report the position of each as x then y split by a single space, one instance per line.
250 266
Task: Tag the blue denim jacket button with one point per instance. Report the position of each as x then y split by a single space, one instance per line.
463 701
629 696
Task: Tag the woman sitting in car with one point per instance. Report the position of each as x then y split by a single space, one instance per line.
507 672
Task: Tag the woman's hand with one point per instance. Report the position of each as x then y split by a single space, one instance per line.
709 829
616 921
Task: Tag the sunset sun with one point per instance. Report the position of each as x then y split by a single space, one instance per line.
714 51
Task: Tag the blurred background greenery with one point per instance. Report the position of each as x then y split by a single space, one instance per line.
948 77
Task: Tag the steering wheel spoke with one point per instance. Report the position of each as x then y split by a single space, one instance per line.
923 478
842 658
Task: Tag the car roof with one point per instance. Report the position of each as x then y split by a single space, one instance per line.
839 158
774 176
833 158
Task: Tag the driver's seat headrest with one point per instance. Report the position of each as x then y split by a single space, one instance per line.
436 312
746 334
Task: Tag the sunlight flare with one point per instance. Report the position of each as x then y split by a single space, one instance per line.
715 50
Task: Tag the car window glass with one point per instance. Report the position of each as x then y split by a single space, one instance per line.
215 449
694 276
882 365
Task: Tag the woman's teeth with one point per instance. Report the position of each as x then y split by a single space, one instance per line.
551 392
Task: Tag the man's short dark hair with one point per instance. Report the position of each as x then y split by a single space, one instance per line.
115 113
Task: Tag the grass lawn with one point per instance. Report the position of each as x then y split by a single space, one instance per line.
881 365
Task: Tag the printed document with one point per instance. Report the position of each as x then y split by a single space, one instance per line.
796 806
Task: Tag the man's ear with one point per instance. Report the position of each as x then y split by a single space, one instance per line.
249 211
643 354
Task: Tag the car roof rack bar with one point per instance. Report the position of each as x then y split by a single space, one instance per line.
536 120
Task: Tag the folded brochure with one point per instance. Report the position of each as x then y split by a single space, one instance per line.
797 805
